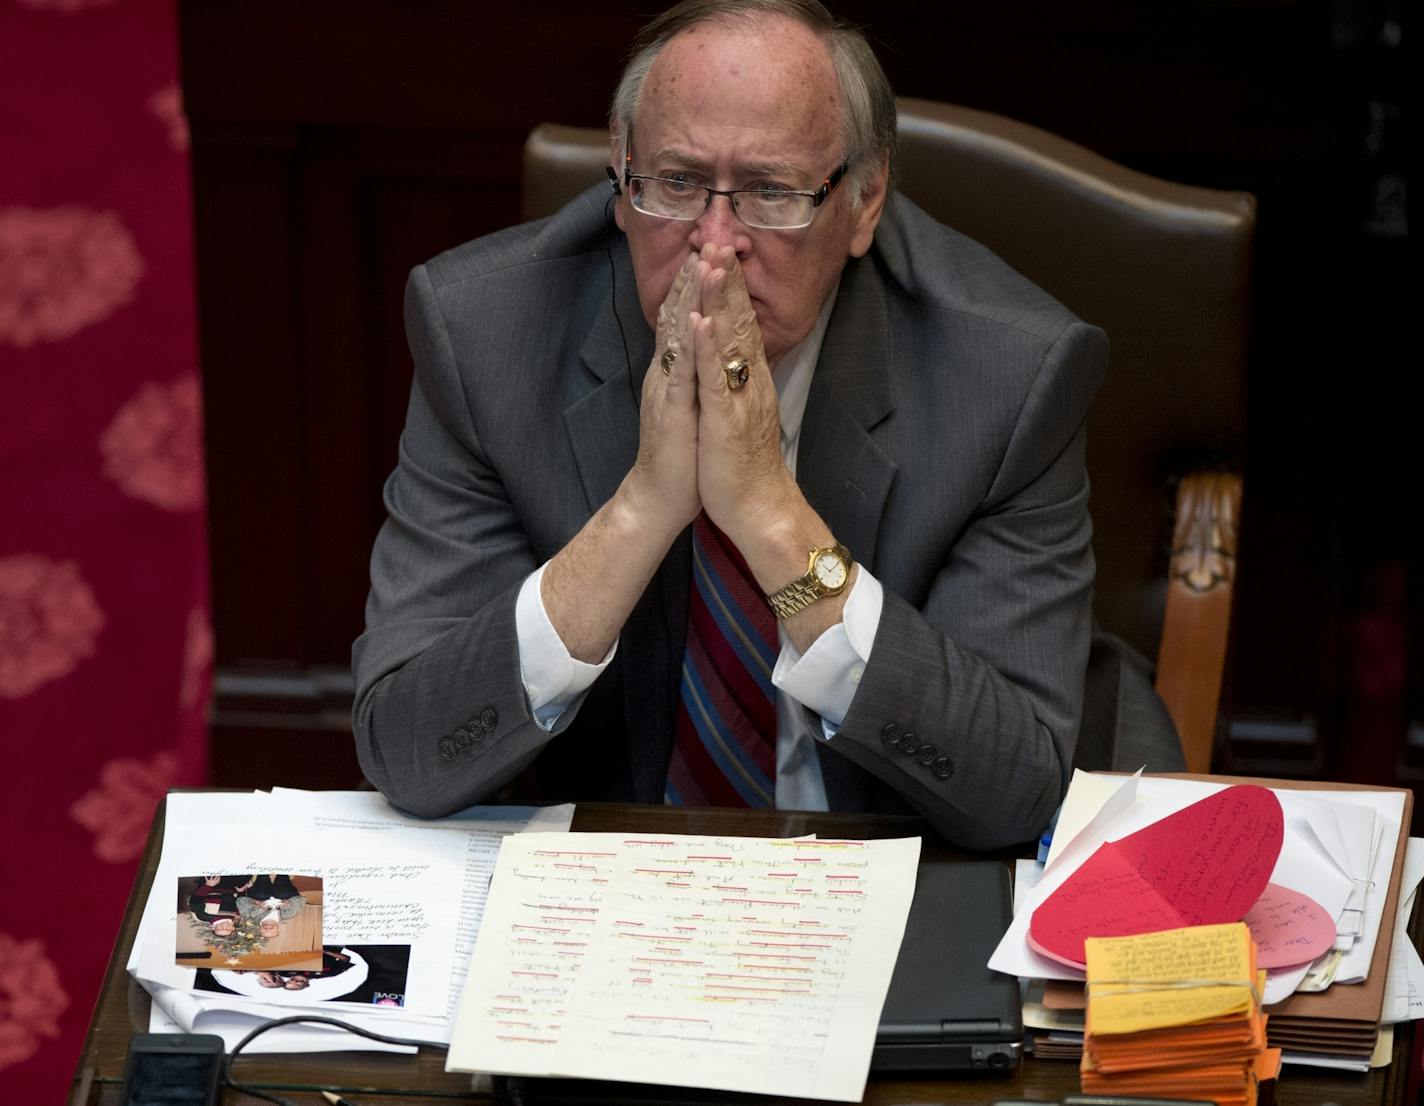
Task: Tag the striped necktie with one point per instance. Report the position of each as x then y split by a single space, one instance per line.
724 753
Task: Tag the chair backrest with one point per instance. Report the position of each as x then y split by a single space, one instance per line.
1164 268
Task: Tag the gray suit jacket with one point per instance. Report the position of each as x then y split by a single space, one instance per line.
943 444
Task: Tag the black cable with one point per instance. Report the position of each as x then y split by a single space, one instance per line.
613 299
312 1019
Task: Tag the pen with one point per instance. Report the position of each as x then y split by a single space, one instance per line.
336 1099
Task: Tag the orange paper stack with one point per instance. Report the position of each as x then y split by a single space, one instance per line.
1177 1014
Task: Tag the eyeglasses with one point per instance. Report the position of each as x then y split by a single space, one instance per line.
764 208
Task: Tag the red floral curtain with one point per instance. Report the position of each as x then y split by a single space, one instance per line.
105 642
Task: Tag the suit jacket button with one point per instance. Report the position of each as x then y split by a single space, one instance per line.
461 738
890 734
489 718
909 743
927 754
944 768
447 748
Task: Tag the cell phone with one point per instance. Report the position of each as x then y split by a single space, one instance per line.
173 1069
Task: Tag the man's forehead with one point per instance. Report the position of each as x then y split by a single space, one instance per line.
769 68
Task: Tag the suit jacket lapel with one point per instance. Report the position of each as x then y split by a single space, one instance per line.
843 473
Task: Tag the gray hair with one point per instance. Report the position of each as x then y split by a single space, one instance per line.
868 122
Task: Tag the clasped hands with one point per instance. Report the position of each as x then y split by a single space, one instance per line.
704 443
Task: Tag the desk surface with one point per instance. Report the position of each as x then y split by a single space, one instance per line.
375 1079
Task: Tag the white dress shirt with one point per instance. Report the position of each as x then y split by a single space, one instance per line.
823 679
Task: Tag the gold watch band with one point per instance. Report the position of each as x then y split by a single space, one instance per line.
805 590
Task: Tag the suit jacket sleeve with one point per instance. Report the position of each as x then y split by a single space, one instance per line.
970 703
440 716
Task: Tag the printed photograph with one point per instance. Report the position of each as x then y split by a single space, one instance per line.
367 975
250 922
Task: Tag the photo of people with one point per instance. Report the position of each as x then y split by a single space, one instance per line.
367 975
255 921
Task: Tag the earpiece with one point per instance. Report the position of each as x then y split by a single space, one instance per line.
613 180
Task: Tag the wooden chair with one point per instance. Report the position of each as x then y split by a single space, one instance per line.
1165 269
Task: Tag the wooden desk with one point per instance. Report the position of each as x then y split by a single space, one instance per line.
376 1079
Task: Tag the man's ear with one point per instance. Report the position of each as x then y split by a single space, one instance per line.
615 175
872 206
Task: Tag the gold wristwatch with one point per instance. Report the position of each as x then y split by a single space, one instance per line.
827 573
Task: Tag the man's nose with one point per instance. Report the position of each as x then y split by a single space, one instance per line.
719 225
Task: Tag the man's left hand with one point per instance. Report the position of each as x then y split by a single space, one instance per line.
743 482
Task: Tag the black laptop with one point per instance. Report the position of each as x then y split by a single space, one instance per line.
946 1011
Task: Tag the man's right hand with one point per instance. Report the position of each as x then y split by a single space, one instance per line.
591 585
662 486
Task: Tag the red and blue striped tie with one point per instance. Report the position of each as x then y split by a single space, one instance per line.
724 753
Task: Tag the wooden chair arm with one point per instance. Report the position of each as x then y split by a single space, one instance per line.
1201 580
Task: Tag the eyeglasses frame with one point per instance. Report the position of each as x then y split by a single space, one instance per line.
817 198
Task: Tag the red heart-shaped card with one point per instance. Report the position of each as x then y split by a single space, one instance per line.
1204 865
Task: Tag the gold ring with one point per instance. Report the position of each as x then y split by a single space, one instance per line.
669 358
737 373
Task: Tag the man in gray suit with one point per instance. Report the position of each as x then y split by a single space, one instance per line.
751 331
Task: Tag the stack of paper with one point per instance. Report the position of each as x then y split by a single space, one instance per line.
399 905
730 963
1341 857
1177 1014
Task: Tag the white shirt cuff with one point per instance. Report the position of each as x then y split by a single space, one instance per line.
826 676
555 681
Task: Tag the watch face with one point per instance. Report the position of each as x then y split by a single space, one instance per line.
830 571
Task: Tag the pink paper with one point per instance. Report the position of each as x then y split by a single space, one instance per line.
1203 865
1289 928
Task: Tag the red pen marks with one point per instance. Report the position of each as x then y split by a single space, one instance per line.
541 929
659 948
678 883
565 906
829 843
643 979
763 902
776 955
736 975
727 887
508 1010
686 929
808 859
526 1040
783 875
542 975
569 852
664 960
576 867
757 990
625 922
830 876
709 858
654 937
645 841
664 871
790 933
775 967
845 891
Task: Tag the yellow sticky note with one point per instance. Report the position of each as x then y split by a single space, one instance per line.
1134 982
